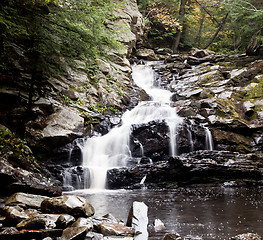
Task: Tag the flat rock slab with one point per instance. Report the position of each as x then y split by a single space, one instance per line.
114 229
25 200
73 205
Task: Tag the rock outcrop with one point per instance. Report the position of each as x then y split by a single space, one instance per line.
67 106
200 167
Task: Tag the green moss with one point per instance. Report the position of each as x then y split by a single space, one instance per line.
207 79
227 108
257 91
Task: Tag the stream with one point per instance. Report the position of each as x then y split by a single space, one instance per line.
202 212
207 212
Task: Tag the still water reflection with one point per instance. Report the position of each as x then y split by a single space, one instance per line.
211 213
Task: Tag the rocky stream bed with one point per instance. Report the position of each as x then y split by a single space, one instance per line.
68 217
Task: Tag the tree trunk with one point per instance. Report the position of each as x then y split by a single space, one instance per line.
199 34
218 30
178 37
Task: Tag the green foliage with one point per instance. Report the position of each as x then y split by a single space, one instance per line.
56 31
246 19
102 109
13 147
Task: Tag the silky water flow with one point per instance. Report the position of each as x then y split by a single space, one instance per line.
101 153
112 150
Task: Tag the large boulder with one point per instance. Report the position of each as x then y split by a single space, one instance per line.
25 200
63 127
138 219
73 205
146 54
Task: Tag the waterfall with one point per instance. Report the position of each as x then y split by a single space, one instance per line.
112 150
209 144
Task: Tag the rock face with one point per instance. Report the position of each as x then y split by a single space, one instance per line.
67 103
192 168
18 179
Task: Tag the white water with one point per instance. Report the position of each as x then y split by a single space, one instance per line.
209 144
112 150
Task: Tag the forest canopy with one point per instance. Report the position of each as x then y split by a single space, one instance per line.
221 25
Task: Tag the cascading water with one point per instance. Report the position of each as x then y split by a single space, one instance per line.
101 153
112 150
209 144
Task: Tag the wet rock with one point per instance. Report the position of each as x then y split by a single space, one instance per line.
15 214
158 225
41 221
138 219
247 236
108 218
201 166
153 138
25 200
172 236
73 205
94 236
64 221
30 234
18 179
114 229
83 222
71 233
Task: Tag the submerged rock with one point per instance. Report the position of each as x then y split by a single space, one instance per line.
158 225
172 236
247 236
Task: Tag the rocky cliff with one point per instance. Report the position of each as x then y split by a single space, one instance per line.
70 105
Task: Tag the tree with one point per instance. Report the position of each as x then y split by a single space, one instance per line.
182 15
52 33
246 19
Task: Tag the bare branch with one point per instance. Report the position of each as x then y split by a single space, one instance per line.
240 6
